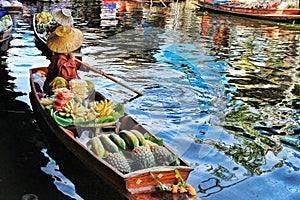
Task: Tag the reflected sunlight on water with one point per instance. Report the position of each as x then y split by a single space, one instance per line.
211 96
222 91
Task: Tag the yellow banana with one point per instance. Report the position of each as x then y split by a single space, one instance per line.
66 109
62 113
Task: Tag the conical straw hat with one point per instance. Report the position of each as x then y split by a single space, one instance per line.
65 39
63 16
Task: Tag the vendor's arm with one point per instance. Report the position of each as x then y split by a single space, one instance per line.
78 64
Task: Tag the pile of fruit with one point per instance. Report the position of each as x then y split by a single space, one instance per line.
5 23
68 107
45 22
129 151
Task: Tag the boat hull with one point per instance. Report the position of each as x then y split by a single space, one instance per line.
267 14
130 184
6 35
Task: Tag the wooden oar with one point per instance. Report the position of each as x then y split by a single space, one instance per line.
108 76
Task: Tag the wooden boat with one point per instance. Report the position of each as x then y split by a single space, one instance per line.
41 40
5 35
13 9
133 185
4 45
267 14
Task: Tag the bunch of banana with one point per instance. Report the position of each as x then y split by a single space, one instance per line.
44 17
58 82
74 110
103 107
90 115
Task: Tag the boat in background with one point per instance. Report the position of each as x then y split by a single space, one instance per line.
41 39
6 33
238 8
135 184
14 7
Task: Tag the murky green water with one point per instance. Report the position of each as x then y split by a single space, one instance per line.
222 91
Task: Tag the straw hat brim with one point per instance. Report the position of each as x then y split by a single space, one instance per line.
62 16
65 39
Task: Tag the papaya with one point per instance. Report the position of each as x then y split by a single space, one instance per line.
140 136
118 140
108 144
130 139
96 146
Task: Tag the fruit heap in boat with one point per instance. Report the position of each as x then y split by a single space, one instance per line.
130 150
5 23
72 103
116 148
45 23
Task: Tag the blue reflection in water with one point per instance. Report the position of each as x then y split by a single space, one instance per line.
208 81
199 109
60 181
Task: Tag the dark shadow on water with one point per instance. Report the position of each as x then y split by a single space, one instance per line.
80 175
21 146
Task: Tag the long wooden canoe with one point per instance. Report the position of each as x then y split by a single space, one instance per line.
133 185
41 41
267 14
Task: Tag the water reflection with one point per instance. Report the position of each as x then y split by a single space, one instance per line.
60 181
260 112
223 92
21 55
214 87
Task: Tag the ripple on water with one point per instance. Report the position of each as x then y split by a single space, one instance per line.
207 109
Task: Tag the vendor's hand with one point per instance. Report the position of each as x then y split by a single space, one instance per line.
72 57
83 68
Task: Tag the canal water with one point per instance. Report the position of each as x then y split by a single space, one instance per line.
222 91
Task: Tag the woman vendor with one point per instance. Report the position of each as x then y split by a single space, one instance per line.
63 41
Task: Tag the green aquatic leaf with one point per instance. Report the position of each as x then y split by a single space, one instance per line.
160 142
105 119
61 120
120 109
